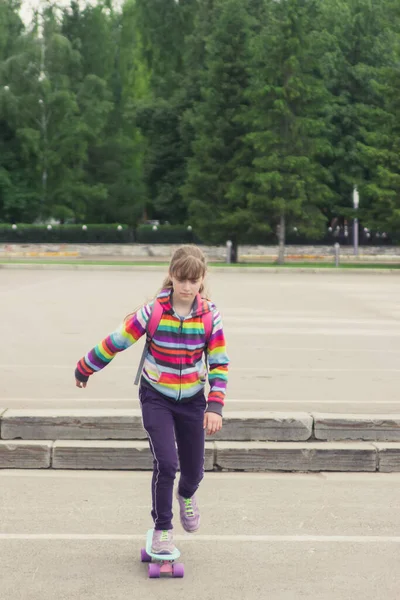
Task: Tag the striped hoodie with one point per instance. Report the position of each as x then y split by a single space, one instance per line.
174 363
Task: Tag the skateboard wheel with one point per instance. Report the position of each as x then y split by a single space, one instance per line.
178 570
154 570
144 556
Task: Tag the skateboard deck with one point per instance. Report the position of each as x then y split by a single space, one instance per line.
161 564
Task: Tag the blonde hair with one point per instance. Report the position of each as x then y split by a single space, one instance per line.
187 262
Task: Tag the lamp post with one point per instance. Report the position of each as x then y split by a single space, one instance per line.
356 200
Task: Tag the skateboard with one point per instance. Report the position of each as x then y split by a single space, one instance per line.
161 564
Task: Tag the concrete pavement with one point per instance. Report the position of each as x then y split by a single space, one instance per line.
317 342
311 342
285 537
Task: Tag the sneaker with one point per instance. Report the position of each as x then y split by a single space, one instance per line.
189 513
162 542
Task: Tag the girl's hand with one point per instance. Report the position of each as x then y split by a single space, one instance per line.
212 422
80 384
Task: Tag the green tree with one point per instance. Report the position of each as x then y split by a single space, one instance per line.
94 31
50 137
11 27
64 131
218 149
161 30
12 198
164 162
382 157
360 72
20 138
288 123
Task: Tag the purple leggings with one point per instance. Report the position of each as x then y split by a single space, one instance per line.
174 429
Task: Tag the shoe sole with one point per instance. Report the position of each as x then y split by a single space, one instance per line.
163 552
191 530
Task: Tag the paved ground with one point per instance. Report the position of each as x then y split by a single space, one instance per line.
325 342
316 342
77 536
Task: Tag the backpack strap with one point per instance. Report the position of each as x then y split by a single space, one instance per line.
207 319
151 327
154 319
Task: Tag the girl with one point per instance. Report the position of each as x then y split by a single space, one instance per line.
175 411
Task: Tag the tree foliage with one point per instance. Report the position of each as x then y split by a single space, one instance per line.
237 117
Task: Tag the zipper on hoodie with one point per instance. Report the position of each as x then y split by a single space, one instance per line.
180 362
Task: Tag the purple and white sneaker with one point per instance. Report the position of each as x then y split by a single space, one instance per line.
162 542
189 513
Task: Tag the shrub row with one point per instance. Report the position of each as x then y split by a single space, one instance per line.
165 234
66 234
96 234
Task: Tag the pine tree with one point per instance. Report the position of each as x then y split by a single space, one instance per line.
380 155
288 123
359 71
163 29
218 150
14 191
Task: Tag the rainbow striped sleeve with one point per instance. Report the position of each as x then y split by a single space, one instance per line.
218 362
122 338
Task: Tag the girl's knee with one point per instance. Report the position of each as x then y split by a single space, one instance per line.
166 468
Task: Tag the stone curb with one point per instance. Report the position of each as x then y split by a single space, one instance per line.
337 427
76 424
295 456
119 424
220 456
388 457
275 270
249 441
252 426
113 455
25 454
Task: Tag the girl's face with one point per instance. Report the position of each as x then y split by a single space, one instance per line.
185 290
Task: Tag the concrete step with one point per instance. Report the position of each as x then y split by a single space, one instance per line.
254 426
249 441
25 454
296 456
227 456
379 427
118 424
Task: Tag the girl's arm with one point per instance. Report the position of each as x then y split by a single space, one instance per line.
122 338
218 363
